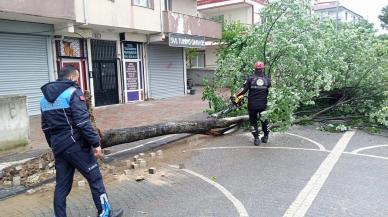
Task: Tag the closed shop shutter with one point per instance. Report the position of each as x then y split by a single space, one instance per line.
166 71
23 67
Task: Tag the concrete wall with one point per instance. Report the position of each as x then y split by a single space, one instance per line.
63 9
119 13
197 75
188 7
243 14
14 122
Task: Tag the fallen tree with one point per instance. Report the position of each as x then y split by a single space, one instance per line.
210 126
319 71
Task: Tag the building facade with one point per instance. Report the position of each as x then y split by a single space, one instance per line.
336 11
122 48
204 62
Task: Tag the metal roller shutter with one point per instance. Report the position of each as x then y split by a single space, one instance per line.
23 67
166 71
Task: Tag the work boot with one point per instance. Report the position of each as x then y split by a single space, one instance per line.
113 213
256 141
264 139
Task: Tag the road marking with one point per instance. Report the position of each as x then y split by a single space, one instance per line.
129 149
287 148
321 147
306 197
367 155
367 148
237 204
258 147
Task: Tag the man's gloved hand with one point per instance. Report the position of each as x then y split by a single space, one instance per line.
232 98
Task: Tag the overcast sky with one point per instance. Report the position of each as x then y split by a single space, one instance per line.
369 9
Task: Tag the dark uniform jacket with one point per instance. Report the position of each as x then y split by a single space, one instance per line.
257 85
65 118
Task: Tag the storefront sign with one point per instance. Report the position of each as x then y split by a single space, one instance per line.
130 50
132 79
70 47
188 41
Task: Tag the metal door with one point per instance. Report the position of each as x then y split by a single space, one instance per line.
106 91
24 67
166 71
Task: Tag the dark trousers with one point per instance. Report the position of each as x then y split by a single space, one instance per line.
85 162
254 115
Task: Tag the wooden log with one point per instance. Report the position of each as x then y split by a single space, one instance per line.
209 126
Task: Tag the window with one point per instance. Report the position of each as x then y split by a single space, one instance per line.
219 18
144 3
198 60
346 16
168 5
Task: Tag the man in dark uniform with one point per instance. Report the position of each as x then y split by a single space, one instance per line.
257 84
74 142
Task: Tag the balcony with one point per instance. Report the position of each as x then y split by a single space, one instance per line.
190 25
29 10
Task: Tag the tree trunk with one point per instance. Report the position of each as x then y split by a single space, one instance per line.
209 126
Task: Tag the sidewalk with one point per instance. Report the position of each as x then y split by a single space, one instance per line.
120 116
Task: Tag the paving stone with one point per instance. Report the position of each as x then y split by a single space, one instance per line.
152 170
182 166
33 179
142 164
19 167
16 181
51 164
136 157
7 183
127 172
134 166
159 153
139 178
152 154
142 155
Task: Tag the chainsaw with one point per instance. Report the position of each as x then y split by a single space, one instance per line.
235 103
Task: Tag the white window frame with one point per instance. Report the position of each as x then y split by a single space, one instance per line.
150 3
195 60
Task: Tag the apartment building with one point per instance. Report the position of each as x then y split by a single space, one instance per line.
336 11
126 50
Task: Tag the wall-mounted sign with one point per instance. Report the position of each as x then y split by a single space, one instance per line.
132 78
130 50
70 47
188 41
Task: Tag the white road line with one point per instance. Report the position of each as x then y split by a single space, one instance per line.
258 147
129 149
367 155
306 197
321 147
367 148
287 148
237 204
